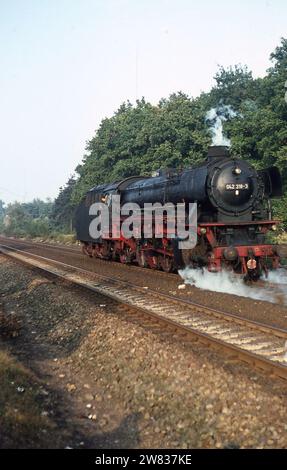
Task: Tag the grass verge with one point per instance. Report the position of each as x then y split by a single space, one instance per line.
23 423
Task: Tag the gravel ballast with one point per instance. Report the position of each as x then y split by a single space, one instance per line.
117 383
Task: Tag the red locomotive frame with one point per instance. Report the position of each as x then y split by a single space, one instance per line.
159 253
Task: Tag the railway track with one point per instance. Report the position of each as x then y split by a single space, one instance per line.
76 250
260 345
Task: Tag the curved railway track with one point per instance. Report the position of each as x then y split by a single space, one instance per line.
258 344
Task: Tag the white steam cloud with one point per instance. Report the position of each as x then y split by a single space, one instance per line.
215 118
228 283
278 277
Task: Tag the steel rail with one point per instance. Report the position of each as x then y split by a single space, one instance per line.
253 342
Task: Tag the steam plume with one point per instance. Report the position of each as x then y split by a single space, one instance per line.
228 283
215 117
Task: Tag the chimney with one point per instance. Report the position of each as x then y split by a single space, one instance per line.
218 151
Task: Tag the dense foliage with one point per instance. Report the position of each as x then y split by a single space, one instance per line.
27 219
63 209
140 139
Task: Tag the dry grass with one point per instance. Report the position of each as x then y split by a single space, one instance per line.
65 239
22 423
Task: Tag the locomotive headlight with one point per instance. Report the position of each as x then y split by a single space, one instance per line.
274 228
237 171
203 231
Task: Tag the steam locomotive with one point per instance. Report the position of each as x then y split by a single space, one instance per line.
234 216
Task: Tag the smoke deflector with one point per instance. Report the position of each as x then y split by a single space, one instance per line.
272 181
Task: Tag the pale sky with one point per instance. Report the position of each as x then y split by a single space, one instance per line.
67 64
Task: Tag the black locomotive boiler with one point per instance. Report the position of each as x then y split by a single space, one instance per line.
234 216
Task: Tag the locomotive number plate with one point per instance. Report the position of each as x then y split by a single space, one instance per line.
234 187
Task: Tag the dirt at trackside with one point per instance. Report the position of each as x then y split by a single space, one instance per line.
86 376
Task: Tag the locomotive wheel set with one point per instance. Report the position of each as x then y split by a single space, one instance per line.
234 216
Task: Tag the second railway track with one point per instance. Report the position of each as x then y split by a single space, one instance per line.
258 344
77 250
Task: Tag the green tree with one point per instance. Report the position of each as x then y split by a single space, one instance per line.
234 86
27 219
142 138
2 209
38 208
62 211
